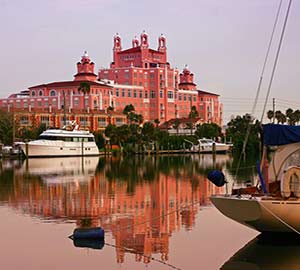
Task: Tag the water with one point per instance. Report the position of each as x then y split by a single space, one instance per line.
155 211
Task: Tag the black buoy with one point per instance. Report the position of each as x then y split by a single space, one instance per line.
88 233
89 243
217 178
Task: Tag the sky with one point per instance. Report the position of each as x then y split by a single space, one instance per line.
223 42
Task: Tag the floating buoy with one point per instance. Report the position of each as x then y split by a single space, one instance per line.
88 233
217 178
88 243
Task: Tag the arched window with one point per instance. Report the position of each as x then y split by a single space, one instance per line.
52 93
41 93
33 93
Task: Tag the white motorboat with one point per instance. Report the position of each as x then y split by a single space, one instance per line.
60 143
276 206
209 146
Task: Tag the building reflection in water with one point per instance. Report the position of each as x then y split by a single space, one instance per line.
141 201
267 252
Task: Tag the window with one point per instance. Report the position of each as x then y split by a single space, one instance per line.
25 105
24 120
45 120
170 94
195 98
39 103
117 92
134 94
161 94
184 97
152 94
129 93
76 102
146 94
46 104
32 104
52 93
101 121
141 93
123 92
40 93
33 93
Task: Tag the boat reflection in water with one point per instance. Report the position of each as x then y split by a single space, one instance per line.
267 252
61 170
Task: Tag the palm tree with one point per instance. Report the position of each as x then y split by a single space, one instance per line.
290 115
156 121
128 108
278 115
297 116
270 115
192 115
85 88
176 125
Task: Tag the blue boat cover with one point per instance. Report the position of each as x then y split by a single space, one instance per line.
275 134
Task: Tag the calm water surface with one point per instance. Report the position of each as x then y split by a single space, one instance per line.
155 211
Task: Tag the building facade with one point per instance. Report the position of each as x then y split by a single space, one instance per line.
139 76
166 93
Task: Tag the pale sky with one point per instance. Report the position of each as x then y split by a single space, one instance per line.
222 41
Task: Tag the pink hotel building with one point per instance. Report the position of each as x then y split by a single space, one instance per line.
139 76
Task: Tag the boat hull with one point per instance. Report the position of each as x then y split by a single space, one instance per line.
59 149
262 214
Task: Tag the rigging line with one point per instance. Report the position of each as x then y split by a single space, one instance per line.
277 56
258 89
133 251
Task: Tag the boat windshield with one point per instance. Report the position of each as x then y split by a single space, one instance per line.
66 139
206 141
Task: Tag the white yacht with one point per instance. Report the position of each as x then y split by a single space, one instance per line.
209 146
60 143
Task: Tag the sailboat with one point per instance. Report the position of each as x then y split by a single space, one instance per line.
274 204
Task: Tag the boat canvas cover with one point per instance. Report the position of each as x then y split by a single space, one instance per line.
275 134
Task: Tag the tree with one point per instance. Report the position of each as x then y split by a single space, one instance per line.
291 116
279 116
270 115
148 132
156 122
128 108
6 127
237 129
176 125
193 113
192 116
84 88
297 116
208 130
